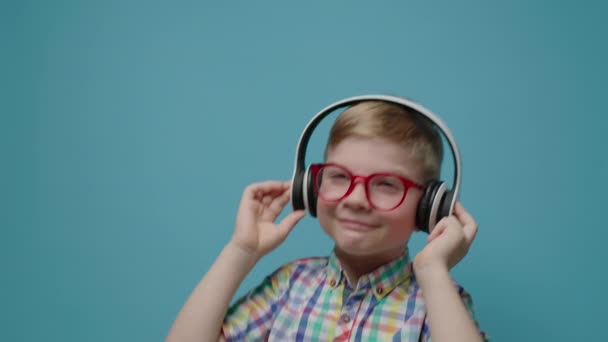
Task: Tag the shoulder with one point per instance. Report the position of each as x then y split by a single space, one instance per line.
302 267
309 262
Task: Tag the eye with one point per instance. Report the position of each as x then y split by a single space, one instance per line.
387 183
337 174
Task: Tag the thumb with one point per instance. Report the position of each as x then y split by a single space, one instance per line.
438 230
291 219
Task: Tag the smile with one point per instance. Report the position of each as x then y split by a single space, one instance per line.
356 225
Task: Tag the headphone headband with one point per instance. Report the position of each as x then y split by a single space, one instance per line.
299 164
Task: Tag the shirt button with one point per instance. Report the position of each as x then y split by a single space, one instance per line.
345 318
332 283
379 290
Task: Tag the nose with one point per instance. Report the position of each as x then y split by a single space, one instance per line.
358 197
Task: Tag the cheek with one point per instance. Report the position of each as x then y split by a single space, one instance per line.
400 220
405 215
325 213
399 226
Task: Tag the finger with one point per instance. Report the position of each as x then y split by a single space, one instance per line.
280 201
276 206
266 188
267 199
469 224
250 199
253 195
470 231
463 215
437 231
290 220
446 226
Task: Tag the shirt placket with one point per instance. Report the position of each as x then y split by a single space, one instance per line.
351 307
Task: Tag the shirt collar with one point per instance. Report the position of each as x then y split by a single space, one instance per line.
382 280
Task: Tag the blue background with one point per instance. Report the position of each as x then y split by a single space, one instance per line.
128 130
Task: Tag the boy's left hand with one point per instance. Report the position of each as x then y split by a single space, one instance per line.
449 241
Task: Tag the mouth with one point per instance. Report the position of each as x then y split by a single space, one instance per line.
356 225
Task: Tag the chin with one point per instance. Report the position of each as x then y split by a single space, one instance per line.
354 243
354 250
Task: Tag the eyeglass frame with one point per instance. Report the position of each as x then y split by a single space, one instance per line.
354 179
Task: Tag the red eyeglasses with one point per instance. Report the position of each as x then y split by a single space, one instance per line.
384 191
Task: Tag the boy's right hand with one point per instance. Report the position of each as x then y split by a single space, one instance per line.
255 231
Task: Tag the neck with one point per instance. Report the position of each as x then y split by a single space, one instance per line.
355 266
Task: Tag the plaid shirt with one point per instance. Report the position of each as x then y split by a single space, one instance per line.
310 300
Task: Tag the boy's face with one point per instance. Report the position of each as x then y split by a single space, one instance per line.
356 227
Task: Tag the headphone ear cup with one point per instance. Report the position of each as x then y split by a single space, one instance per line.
436 201
424 207
297 195
446 205
311 193
428 206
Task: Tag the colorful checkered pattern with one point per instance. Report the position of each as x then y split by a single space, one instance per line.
310 300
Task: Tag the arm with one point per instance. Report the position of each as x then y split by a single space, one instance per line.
449 319
255 235
202 315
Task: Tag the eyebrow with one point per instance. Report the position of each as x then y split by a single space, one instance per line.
402 174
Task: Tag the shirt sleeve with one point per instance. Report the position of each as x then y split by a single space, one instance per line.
425 335
251 316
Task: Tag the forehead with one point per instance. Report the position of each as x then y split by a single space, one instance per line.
365 156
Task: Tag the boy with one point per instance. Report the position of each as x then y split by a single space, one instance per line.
377 159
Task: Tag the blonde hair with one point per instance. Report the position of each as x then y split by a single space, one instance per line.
397 124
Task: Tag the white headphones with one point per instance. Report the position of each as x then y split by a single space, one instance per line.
437 200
